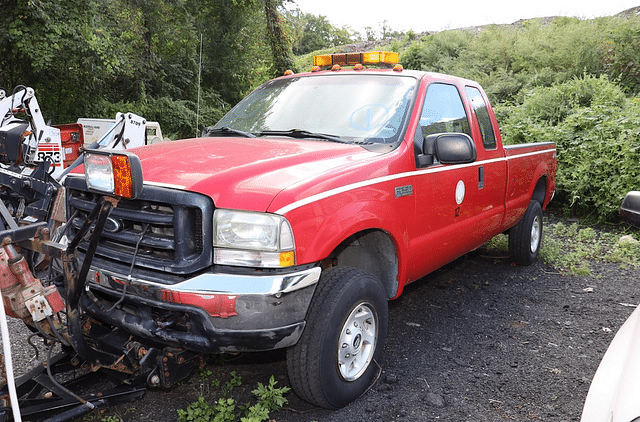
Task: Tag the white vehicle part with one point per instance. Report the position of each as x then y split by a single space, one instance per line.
95 129
44 142
6 345
130 132
125 132
154 134
613 395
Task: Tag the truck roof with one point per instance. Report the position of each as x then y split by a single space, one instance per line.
417 74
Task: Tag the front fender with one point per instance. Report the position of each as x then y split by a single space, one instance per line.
322 226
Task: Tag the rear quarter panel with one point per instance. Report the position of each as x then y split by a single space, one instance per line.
527 165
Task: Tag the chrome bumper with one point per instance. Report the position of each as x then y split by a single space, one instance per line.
225 284
224 312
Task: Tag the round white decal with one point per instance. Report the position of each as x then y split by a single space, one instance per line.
460 191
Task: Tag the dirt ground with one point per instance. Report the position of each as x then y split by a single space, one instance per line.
479 340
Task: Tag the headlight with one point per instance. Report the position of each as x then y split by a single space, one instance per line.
113 173
252 239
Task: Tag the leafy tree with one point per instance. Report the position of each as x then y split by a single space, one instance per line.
438 52
57 48
161 46
311 32
317 34
387 32
77 54
84 56
384 33
370 33
280 46
235 53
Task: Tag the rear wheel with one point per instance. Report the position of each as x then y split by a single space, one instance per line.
335 360
525 238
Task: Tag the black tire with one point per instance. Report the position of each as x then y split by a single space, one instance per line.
525 238
345 296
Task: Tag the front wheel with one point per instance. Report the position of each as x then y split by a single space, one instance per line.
525 238
335 360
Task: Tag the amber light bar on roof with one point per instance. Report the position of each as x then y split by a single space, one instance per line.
380 58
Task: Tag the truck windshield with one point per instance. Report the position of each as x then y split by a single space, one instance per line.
355 108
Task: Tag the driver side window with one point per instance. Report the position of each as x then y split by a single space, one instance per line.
443 111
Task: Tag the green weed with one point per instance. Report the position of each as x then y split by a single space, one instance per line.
269 398
571 247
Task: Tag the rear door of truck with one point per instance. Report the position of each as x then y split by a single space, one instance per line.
491 165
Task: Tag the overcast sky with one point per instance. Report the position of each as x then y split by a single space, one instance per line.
436 15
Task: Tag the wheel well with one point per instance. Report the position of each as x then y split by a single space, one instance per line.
372 251
540 191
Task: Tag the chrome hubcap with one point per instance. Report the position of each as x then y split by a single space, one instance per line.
536 233
357 342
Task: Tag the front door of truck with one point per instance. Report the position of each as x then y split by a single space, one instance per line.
452 213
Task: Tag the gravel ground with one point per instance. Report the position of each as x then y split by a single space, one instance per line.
479 340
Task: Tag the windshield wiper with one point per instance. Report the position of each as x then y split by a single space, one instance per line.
299 134
208 131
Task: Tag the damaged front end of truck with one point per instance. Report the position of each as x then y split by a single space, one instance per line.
55 305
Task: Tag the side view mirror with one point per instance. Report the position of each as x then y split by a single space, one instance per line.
447 148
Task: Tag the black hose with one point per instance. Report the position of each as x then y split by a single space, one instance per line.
85 403
133 262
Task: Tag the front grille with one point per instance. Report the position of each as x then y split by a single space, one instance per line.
176 225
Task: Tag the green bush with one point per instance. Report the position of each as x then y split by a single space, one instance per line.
621 54
507 59
552 105
597 133
177 118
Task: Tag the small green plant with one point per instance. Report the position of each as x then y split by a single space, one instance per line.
235 381
217 360
270 398
225 410
570 248
625 251
256 413
205 374
498 246
202 411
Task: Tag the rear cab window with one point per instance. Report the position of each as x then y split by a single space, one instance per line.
484 120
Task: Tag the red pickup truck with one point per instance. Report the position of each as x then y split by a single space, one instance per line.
295 219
